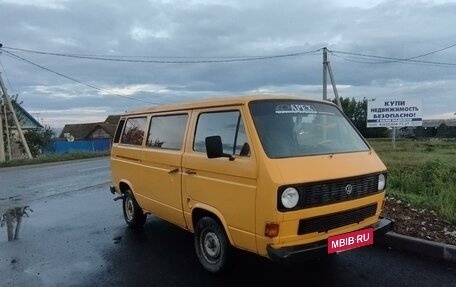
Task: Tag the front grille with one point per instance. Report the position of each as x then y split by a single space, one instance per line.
335 220
334 191
328 192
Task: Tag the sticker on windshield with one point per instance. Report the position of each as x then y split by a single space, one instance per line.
295 109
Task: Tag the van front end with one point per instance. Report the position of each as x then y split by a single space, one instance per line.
327 183
319 198
325 210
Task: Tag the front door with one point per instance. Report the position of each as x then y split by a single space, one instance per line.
220 185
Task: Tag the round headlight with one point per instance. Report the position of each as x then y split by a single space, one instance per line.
381 182
290 197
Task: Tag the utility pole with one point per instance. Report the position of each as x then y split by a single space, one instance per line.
2 142
327 69
16 122
325 73
8 142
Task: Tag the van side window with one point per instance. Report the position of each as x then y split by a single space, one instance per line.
134 131
229 126
167 131
119 130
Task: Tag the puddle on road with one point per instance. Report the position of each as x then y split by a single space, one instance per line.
12 219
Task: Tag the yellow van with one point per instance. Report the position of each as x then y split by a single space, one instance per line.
280 176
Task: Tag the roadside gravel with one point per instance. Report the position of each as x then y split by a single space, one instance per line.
420 223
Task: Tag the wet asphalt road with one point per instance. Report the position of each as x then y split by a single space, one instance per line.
76 236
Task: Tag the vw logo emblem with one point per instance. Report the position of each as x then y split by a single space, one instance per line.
348 189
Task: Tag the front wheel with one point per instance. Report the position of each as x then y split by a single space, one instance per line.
133 214
212 245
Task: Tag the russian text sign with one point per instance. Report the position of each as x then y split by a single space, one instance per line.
394 113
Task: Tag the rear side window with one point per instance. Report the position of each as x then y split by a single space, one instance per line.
229 126
167 132
134 131
119 130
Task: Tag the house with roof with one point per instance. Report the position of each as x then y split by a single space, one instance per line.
435 123
27 121
87 136
430 128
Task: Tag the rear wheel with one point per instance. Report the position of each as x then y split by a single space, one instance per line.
133 214
212 245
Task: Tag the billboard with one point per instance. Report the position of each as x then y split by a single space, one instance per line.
394 113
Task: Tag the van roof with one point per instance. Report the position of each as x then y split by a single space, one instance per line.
215 102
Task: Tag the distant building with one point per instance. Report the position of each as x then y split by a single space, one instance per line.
87 137
27 121
430 128
100 130
437 122
112 119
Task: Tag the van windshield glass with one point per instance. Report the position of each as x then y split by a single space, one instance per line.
300 128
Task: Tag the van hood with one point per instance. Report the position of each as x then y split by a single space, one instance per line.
325 167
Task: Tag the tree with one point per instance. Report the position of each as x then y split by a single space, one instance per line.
422 132
39 140
445 131
356 111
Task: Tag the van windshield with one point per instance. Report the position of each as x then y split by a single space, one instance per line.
298 128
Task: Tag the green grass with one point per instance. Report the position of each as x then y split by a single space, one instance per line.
53 157
422 173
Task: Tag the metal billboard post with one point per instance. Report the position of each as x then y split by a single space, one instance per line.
394 138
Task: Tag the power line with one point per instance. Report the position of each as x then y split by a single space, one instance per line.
435 51
14 56
376 62
6 76
357 60
127 56
393 59
230 59
348 56
197 60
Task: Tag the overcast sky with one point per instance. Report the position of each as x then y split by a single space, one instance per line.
222 29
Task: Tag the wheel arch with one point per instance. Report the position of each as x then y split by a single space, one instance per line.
124 185
200 211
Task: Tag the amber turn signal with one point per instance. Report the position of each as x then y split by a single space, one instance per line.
271 230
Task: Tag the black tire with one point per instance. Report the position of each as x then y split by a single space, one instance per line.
133 213
212 246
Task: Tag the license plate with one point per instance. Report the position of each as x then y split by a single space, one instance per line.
352 240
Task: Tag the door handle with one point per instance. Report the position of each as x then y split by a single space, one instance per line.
173 170
190 171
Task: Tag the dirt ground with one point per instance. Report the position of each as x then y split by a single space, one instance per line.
420 223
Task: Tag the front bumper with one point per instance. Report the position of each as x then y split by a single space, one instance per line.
318 249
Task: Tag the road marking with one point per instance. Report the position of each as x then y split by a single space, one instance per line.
92 168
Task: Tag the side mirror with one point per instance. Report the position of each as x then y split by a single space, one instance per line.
214 148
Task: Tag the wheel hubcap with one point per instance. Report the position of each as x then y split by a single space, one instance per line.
211 246
129 209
